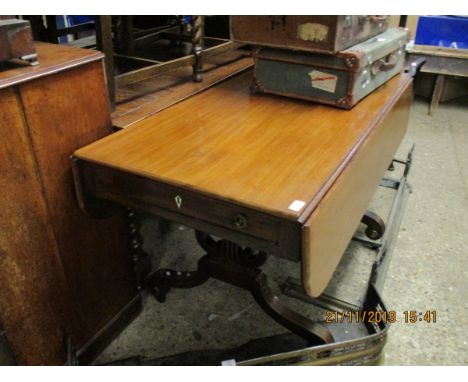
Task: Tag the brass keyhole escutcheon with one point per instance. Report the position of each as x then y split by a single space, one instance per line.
240 221
178 200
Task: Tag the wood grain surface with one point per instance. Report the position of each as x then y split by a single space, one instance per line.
62 274
451 66
142 99
52 59
441 51
329 229
260 151
34 309
78 113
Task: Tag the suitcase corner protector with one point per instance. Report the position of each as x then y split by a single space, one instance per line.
347 102
256 86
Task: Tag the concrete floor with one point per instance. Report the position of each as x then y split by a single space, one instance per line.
429 270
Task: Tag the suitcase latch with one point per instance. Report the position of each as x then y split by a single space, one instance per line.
384 64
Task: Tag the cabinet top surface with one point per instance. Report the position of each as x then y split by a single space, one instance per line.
269 153
52 59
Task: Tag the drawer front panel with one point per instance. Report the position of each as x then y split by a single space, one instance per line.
111 184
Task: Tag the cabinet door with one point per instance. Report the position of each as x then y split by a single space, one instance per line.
64 112
33 302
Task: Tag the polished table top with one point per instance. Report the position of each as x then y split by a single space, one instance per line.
261 151
312 165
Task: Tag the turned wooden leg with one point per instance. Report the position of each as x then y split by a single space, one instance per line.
140 259
198 26
437 93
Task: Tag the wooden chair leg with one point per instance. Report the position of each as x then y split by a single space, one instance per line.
104 44
52 29
198 31
437 93
123 35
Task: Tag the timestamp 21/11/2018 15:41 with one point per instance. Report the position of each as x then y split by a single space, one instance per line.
391 316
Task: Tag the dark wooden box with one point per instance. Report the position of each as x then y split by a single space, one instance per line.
16 41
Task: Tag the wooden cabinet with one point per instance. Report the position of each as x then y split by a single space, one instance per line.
62 273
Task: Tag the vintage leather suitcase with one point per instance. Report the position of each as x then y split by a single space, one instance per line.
340 79
16 41
308 33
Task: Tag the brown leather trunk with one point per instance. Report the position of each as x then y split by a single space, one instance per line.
309 33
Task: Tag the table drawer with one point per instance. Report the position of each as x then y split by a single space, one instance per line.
121 187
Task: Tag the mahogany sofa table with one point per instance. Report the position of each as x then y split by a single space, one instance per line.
268 175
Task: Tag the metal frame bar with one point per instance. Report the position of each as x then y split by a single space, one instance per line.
403 189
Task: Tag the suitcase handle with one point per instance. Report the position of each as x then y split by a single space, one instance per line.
372 19
378 19
384 64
